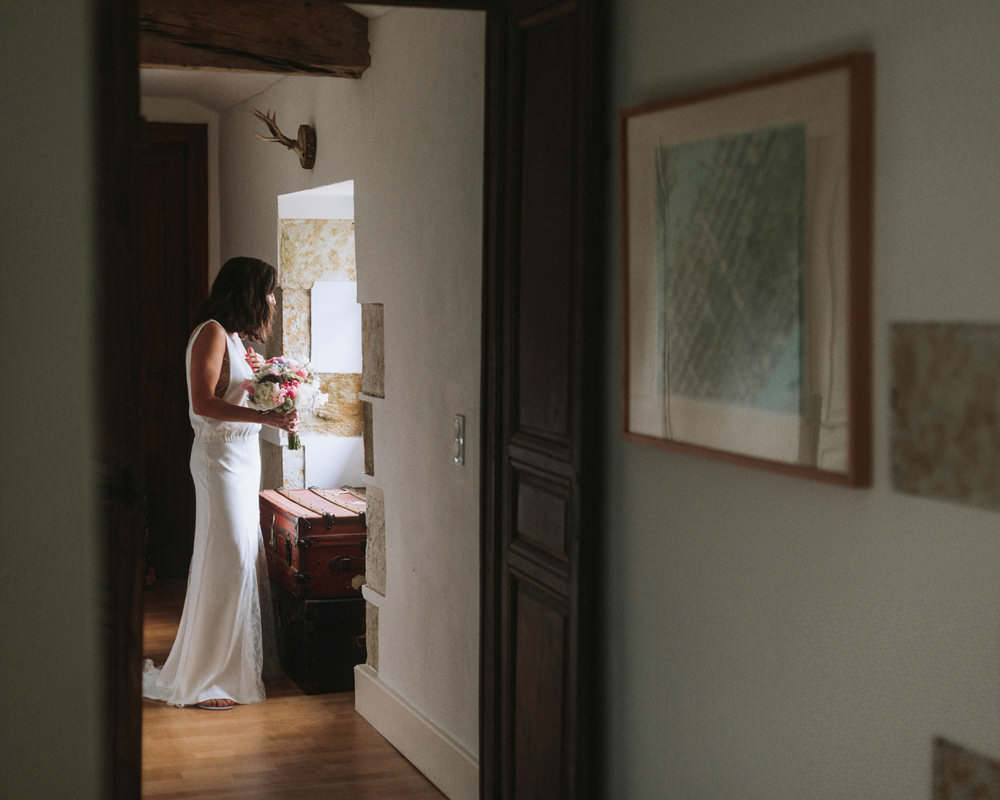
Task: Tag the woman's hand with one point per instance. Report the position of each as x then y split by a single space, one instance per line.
287 422
255 360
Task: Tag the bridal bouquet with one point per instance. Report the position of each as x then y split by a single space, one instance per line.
282 384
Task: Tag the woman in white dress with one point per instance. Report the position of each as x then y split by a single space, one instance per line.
217 657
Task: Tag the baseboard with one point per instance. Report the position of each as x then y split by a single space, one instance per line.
373 597
444 762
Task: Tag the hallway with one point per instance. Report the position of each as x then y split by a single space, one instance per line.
292 745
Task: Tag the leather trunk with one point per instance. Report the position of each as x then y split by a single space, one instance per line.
315 541
320 641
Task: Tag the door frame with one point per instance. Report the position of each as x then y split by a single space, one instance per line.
115 36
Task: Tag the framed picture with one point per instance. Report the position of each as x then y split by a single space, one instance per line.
747 227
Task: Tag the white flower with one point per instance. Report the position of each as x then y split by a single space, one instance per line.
266 396
306 398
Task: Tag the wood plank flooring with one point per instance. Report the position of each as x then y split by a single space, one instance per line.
308 747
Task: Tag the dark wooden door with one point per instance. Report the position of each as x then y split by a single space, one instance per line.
544 232
174 258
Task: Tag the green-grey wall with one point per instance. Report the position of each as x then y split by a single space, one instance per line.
772 637
49 667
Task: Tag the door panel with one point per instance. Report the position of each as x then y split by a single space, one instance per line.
542 346
546 264
542 512
540 769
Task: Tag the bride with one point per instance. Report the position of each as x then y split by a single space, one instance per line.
217 658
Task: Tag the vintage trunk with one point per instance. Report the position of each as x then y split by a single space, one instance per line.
320 641
315 541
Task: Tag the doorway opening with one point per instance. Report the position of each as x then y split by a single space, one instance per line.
418 164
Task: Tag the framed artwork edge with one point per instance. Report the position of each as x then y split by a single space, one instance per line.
863 60
777 467
860 66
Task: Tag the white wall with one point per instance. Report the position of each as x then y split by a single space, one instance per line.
772 637
50 676
410 134
335 201
176 109
419 246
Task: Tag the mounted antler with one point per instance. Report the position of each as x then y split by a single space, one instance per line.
305 146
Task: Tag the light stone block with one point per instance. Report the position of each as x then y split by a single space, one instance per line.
945 441
371 635
341 414
368 422
373 349
375 548
295 332
962 774
316 250
271 476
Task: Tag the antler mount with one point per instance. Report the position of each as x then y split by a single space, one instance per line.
304 145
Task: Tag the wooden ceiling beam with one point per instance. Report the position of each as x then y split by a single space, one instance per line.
317 37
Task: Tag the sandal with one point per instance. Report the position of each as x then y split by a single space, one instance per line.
206 704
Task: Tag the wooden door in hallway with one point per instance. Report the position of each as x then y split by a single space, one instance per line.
543 395
174 256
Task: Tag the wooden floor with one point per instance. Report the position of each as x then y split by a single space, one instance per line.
290 746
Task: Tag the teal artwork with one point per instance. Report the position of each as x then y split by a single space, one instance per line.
730 228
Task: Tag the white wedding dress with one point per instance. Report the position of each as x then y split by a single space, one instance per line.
219 649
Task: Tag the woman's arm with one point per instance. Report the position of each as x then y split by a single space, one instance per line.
207 353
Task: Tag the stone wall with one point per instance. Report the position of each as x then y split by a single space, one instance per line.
311 250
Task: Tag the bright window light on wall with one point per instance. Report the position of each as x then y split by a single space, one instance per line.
335 201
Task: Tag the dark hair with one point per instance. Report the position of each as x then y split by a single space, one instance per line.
238 300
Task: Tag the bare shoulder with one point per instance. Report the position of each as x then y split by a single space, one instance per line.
211 339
